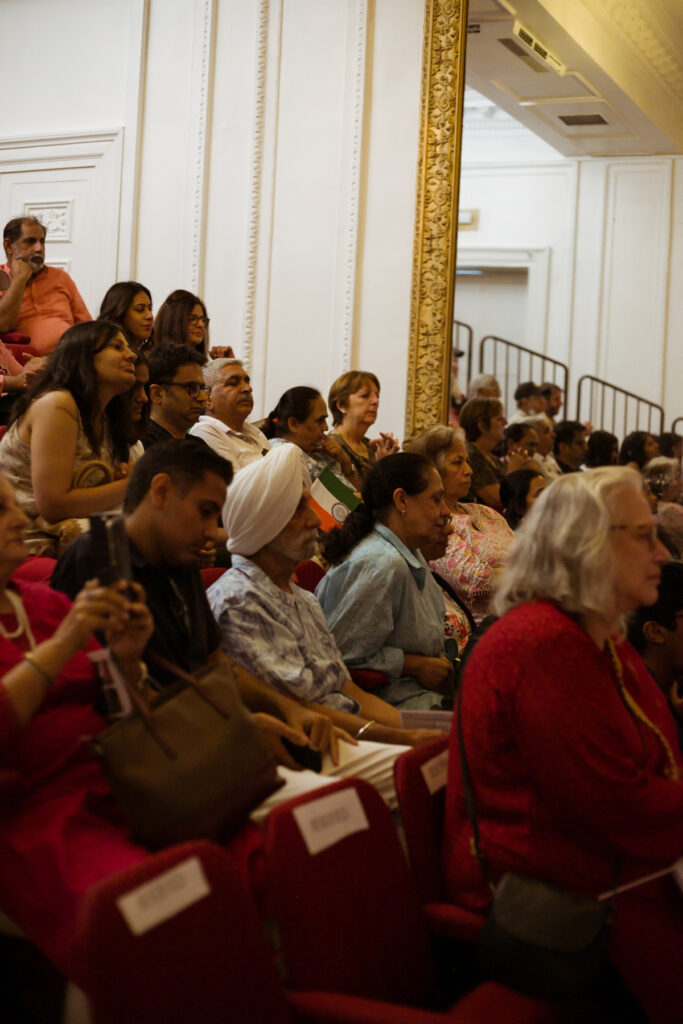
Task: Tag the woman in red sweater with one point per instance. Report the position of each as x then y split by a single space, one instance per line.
571 746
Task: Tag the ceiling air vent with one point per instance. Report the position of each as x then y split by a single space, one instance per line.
575 120
535 48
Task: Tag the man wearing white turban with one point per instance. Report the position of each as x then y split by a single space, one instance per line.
273 628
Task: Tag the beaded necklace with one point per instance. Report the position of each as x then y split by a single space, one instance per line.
23 625
672 768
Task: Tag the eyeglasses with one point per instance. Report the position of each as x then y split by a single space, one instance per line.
195 320
647 533
193 388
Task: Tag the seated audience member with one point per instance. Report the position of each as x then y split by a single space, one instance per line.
570 445
602 449
459 624
176 492
65 452
553 399
136 408
480 537
60 829
484 424
656 632
637 449
40 301
129 305
182 320
571 749
544 458
530 401
271 627
484 386
177 392
521 437
671 446
379 597
354 403
518 492
300 417
662 477
224 426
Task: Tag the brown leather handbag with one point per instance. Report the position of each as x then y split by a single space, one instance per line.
190 763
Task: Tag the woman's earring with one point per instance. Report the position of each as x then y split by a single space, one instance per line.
404 511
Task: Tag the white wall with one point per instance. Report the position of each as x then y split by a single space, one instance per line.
265 152
613 229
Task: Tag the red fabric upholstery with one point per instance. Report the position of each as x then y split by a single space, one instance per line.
15 338
422 815
21 350
367 678
210 576
209 962
350 922
3 428
308 575
349 917
36 568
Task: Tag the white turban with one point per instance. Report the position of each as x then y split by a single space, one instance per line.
263 497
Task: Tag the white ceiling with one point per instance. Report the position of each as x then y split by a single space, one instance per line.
618 90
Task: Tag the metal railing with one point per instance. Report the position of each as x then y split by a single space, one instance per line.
608 407
463 340
512 364
679 419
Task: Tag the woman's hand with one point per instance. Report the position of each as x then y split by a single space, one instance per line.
431 672
121 471
221 352
94 608
385 444
127 638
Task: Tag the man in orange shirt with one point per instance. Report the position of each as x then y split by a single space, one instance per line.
39 301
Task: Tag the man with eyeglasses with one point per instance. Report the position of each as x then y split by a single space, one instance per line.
177 392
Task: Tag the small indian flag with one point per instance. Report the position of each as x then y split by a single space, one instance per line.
332 499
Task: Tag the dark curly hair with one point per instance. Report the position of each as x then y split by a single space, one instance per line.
70 367
406 470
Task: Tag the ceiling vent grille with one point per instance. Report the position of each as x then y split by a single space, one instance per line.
575 120
535 48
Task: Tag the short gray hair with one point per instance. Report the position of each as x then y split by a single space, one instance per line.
212 370
562 551
484 382
434 442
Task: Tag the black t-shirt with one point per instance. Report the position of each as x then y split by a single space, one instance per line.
185 631
155 432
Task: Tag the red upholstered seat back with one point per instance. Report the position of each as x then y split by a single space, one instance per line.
208 963
422 814
349 917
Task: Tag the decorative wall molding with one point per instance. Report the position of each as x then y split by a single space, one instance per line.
433 276
639 29
255 196
351 144
72 181
649 275
54 216
198 142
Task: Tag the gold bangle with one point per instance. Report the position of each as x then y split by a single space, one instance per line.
30 660
365 728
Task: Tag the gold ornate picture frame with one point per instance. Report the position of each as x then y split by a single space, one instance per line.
436 214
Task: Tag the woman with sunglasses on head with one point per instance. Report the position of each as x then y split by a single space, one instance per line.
66 450
570 745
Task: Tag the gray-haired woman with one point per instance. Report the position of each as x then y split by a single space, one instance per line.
571 746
